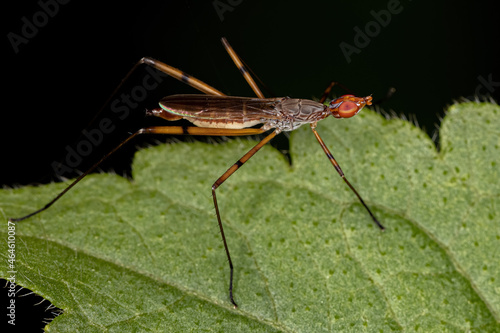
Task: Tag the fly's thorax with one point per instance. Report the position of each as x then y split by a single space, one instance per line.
293 113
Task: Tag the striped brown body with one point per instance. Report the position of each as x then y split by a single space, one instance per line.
283 114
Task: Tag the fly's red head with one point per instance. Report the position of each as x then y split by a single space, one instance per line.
347 106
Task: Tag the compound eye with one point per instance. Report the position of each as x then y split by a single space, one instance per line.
348 109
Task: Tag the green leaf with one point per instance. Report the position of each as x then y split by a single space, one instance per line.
147 255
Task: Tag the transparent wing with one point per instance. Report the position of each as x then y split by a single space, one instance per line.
208 107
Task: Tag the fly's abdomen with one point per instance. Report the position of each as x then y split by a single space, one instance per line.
221 111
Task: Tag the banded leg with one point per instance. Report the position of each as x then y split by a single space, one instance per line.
164 68
181 130
242 68
171 130
175 73
184 77
180 75
218 183
341 173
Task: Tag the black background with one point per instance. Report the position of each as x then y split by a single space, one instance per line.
54 85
